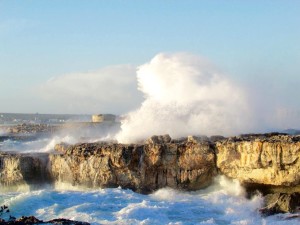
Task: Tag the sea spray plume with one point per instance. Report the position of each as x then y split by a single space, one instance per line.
184 95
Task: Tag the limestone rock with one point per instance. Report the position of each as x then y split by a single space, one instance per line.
269 160
186 165
159 163
19 169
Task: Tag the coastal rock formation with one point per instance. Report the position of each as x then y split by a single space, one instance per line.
33 220
189 164
269 163
22 169
280 203
268 160
30 128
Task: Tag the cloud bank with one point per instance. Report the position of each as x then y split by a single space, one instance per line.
109 90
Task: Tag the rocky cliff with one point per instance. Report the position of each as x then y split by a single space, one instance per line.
188 164
266 162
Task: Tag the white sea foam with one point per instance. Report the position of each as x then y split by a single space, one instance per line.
118 206
185 95
44 144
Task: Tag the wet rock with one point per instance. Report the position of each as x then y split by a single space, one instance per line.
24 220
23 169
280 203
27 220
66 222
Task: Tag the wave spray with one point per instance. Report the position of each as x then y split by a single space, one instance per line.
184 95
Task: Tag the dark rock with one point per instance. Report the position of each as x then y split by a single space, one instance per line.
28 220
216 138
280 203
62 221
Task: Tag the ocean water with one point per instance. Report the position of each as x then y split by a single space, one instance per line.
222 203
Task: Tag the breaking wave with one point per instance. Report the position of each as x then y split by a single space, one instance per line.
185 95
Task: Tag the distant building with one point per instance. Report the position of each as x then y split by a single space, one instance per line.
103 118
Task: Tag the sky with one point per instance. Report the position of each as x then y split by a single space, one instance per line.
81 56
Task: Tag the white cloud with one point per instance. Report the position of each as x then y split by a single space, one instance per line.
109 90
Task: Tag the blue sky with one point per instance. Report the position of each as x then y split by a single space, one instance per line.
256 43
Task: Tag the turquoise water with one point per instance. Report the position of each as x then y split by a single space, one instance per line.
221 204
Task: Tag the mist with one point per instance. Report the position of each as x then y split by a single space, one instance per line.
178 94
111 89
185 95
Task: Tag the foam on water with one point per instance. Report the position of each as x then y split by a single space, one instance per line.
219 204
45 144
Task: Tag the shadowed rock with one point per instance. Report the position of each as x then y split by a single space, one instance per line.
280 203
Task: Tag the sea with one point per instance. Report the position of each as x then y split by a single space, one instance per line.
222 203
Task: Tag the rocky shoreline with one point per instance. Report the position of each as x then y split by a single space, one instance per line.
268 163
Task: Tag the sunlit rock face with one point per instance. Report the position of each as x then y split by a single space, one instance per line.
97 165
272 160
187 164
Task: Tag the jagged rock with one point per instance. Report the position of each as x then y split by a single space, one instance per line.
66 222
159 139
280 203
216 138
27 220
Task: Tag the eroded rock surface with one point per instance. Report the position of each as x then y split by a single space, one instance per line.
272 160
189 164
22 169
